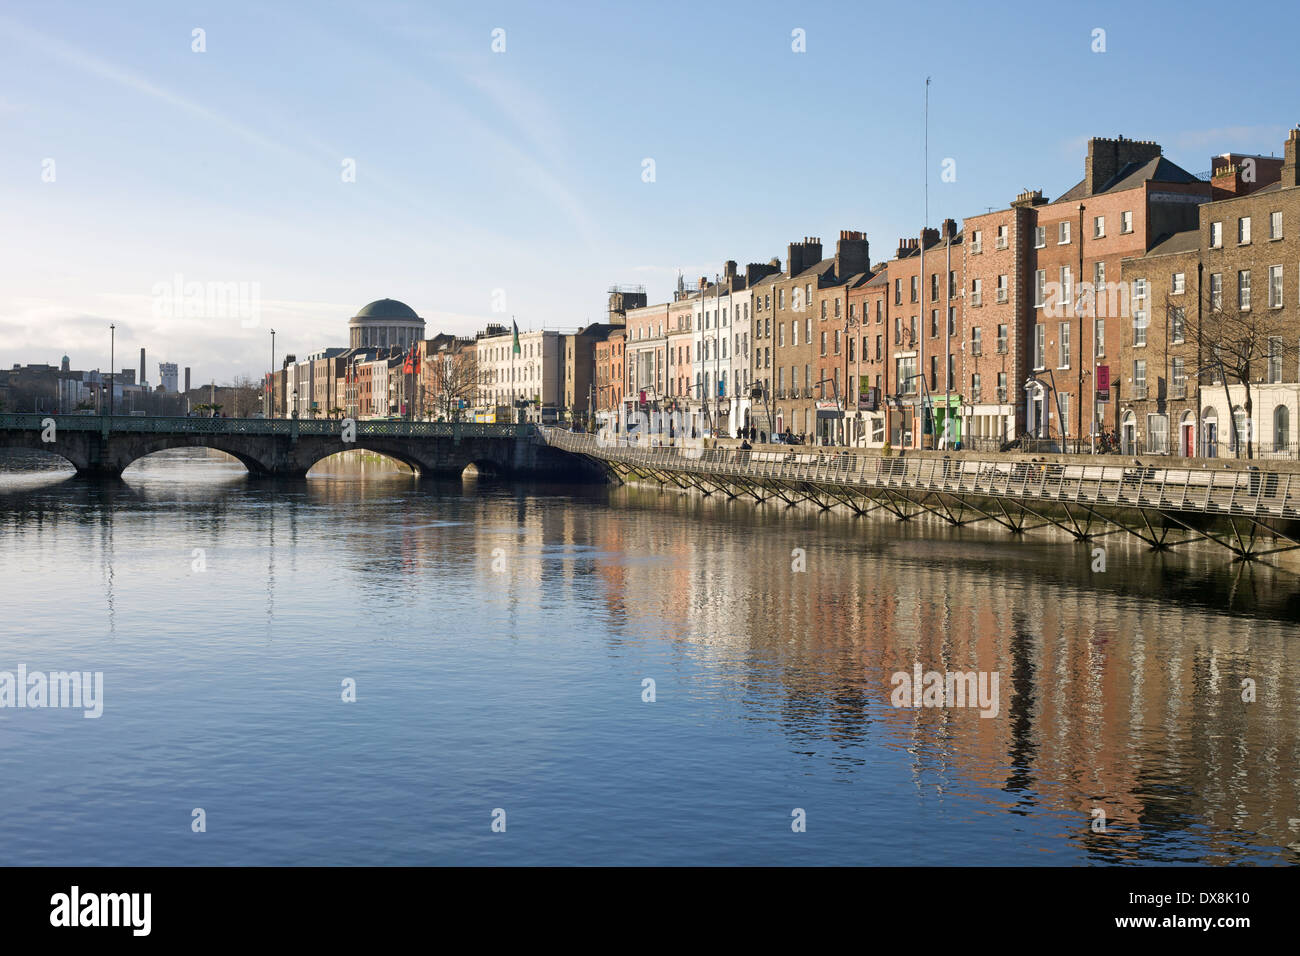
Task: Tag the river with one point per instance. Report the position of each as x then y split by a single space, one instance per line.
598 675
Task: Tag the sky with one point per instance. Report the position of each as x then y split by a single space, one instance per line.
489 160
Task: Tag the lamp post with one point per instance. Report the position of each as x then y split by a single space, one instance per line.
270 392
112 359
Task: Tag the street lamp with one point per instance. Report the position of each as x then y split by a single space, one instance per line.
112 359
270 392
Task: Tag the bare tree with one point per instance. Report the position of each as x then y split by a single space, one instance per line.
451 375
1235 344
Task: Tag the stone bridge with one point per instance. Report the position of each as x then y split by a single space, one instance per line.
106 445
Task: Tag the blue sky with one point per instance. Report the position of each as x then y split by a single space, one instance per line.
522 171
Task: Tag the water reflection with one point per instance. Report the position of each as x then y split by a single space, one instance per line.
1120 692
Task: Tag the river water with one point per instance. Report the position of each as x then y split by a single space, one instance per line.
501 639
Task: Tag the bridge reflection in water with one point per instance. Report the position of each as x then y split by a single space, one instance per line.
1251 512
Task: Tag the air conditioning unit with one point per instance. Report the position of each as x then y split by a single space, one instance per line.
1001 243
1002 296
976 248
977 298
1002 346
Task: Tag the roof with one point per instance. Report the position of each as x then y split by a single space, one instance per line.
1131 176
387 309
1187 241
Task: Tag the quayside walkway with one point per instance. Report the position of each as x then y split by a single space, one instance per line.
1251 512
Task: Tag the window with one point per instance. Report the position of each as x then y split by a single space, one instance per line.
934 323
1002 339
878 347
837 308
880 311
807 298
976 334
1002 288
1216 291
1179 284
794 332
1040 237
1216 235
780 299
1063 233
1098 227
952 320
1139 328
1067 288
837 341
1002 237
1177 323
898 292
1040 283
1126 222
1243 230
1099 337
976 242
823 308
916 288
1180 375
780 334
1063 406
934 287
823 343
1243 290
1099 278
1275 287
976 295
898 330
807 331
1274 359
1275 225
1063 342
1139 378
853 351
975 387
1040 346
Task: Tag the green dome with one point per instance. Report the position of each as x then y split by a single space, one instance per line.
386 309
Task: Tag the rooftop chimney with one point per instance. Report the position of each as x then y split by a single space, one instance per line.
1290 174
852 254
1106 157
949 230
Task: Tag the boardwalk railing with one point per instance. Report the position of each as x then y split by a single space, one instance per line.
1250 492
262 426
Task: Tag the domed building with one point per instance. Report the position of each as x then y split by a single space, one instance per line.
385 323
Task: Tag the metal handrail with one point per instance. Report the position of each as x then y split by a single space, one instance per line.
1236 492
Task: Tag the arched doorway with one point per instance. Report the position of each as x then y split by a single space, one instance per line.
1187 435
1128 433
1281 428
1210 433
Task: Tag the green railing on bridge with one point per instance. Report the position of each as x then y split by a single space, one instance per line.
131 424
1251 492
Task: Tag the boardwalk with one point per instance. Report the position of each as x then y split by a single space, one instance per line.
1238 508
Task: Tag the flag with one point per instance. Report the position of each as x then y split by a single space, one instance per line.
409 367
515 344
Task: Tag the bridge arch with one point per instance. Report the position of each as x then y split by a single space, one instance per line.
375 448
143 449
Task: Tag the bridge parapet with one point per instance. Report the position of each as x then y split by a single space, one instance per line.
262 426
